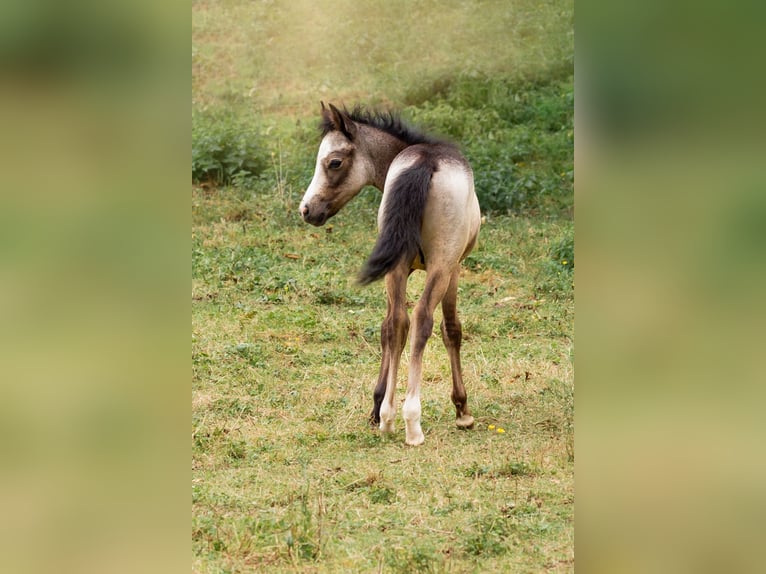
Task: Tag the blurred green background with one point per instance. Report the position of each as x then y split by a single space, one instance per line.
93 285
94 103
496 77
671 236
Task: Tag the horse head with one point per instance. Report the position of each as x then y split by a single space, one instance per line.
341 171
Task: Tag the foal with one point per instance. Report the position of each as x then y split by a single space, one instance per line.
428 219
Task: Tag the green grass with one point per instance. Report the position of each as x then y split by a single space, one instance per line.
285 351
287 474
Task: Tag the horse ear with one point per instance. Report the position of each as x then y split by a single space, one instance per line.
322 104
342 122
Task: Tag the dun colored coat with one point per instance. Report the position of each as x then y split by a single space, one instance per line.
428 219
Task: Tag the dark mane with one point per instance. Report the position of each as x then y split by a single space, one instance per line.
386 121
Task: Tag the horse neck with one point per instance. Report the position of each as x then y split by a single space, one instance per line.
381 148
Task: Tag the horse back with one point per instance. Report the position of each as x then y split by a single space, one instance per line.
451 216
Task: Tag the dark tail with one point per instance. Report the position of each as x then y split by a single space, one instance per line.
399 236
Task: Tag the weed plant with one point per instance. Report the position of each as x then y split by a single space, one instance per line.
226 148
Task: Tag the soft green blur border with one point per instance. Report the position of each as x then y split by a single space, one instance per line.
670 283
671 214
94 304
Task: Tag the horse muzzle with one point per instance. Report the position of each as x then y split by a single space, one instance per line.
317 216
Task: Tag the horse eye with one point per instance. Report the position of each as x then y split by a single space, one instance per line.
335 163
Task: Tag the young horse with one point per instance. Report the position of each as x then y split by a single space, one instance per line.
428 219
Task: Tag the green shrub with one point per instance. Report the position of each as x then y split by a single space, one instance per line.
225 148
518 136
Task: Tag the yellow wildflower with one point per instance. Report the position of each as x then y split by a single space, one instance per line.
491 427
501 430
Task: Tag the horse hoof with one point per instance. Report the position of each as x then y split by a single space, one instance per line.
417 440
464 422
386 427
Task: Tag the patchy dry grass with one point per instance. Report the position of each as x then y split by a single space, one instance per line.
287 474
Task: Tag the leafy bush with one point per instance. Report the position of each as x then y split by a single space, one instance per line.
518 136
225 148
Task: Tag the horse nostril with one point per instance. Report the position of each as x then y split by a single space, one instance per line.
304 211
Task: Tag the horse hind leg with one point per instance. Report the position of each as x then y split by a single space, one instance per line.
423 322
380 386
388 340
452 335
393 335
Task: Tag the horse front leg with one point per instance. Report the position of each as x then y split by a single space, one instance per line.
452 335
393 335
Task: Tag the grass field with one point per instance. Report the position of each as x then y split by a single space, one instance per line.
287 476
